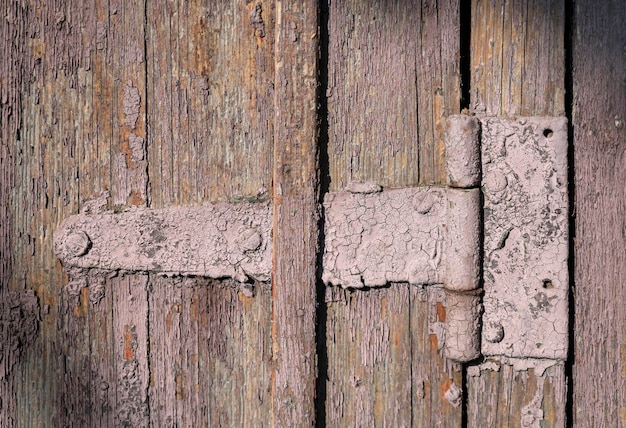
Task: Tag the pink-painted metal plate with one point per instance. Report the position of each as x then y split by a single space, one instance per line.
525 268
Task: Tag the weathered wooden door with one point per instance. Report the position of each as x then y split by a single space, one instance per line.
173 103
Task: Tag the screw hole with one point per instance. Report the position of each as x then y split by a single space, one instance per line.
547 283
547 133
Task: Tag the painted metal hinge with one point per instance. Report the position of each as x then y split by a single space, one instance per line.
495 238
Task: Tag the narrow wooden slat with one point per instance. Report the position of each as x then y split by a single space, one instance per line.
437 82
130 347
210 108
102 361
210 100
372 93
165 346
517 57
296 216
368 383
13 66
599 115
517 68
433 376
392 80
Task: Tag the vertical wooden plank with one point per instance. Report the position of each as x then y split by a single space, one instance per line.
165 347
210 138
71 148
599 113
392 80
211 74
437 383
437 81
517 57
14 66
517 68
103 402
377 353
44 189
372 79
296 214
130 345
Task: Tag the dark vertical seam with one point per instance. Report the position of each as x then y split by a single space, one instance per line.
569 105
145 120
465 32
465 28
147 192
324 183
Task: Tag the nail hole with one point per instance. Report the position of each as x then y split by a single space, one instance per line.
547 283
547 133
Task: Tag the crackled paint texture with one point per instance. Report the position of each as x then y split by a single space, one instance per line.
215 241
392 236
462 151
526 237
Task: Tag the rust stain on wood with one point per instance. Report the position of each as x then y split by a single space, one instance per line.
441 312
129 339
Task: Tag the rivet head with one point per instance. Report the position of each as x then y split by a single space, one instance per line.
496 182
249 239
493 332
77 244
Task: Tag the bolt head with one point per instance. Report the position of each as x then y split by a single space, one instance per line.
493 332
77 244
249 239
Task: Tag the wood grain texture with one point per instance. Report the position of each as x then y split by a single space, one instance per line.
517 68
296 214
14 64
211 86
62 135
599 115
392 79
517 57
210 68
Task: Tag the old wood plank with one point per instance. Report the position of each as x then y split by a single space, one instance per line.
212 110
392 79
14 66
517 68
437 382
72 148
103 401
210 104
368 385
372 94
296 214
517 57
599 112
130 347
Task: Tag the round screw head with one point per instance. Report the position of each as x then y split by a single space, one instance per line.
77 244
494 332
249 239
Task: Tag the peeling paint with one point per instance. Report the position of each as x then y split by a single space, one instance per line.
376 238
532 413
19 324
215 241
526 237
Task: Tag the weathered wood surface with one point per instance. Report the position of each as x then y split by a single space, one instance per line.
132 349
599 131
392 80
210 71
517 68
296 214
